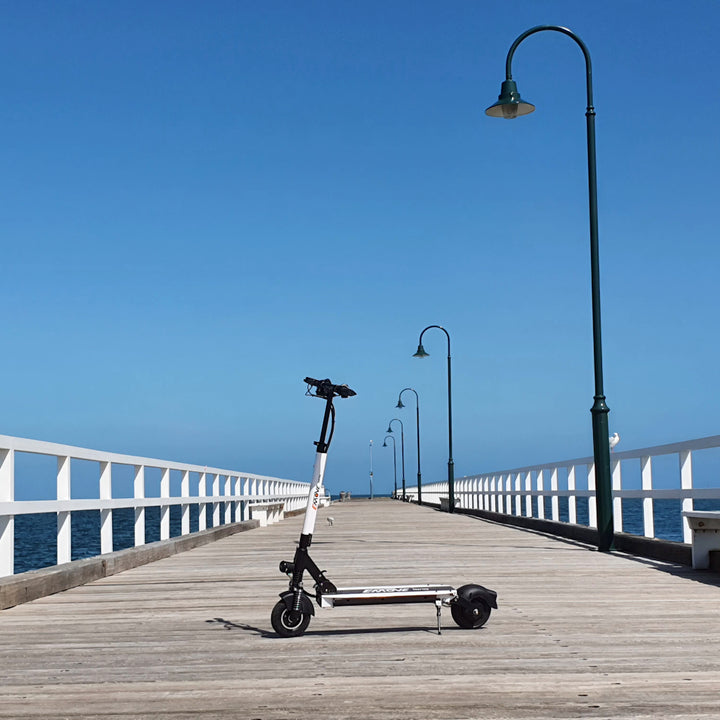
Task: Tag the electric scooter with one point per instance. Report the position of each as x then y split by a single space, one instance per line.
470 605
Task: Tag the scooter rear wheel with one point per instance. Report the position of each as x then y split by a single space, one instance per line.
471 614
288 623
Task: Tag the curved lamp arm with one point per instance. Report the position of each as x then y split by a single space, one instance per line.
402 427
417 398
421 350
564 31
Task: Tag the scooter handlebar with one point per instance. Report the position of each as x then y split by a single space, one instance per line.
325 388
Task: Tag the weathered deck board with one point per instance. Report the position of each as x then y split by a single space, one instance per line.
577 634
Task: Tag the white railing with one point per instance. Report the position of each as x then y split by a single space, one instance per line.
526 491
225 491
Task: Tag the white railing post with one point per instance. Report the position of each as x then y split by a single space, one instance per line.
647 503
554 499
185 507
165 509
64 534
686 483
106 514
246 492
202 507
592 502
237 503
139 493
528 495
493 496
7 522
617 488
572 497
226 504
508 494
540 485
518 490
216 502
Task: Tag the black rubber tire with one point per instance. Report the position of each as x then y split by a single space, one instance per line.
284 624
470 615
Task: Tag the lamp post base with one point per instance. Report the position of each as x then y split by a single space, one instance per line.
603 482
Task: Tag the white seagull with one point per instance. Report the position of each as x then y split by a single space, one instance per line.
614 440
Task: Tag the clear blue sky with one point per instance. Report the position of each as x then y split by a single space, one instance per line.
203 202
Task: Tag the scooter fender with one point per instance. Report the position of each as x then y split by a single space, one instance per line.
468 593
307 607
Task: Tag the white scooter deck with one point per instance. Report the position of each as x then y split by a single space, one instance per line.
388 594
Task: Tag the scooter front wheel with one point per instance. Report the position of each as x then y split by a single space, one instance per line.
288 623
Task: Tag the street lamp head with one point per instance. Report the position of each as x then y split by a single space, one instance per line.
421 352
385 443
509 105
400 403
389 429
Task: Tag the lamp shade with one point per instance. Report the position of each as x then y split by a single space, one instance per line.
400 403
421 352
509 104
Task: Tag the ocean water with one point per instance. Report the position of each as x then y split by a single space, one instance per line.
35 534
35 543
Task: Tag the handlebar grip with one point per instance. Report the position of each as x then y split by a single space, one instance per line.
326 388
344 391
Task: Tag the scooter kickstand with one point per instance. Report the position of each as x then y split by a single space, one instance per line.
438 605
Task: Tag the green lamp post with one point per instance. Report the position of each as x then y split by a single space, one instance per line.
417 426
451 465
511 105
390 437
402 450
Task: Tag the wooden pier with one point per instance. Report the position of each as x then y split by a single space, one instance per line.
578 634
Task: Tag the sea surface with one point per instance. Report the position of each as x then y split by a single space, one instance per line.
35 535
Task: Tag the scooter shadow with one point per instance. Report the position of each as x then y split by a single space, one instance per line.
374 631
270 634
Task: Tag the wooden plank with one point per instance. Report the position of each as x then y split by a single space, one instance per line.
577 633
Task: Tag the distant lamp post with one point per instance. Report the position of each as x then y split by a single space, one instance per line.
417 426
402 450
451 465
510 105
390 437
371 472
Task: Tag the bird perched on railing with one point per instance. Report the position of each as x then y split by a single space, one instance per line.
614 440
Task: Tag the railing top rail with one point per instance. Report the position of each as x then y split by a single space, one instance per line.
668 449
41 447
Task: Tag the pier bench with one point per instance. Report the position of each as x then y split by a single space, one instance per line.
267 513
705 526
